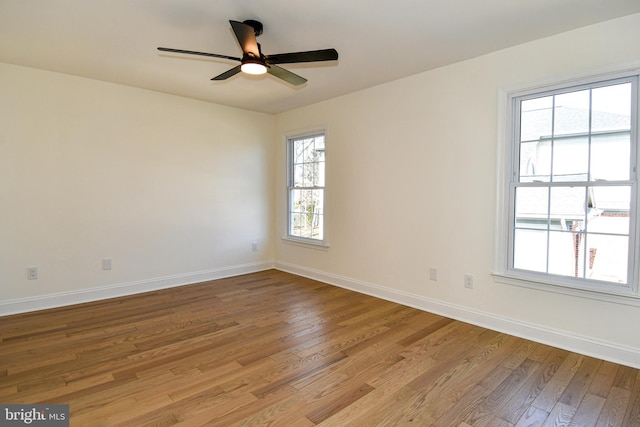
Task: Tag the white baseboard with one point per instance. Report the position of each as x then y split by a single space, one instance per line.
556 338
61 299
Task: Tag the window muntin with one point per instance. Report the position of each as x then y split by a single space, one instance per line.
306 185
572 193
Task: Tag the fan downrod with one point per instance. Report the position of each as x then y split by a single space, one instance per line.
256 25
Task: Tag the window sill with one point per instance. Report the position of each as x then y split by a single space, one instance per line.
306 243
620 297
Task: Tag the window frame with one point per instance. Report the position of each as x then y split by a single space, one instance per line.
287 236
508 168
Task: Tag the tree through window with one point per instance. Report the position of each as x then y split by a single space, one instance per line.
306 182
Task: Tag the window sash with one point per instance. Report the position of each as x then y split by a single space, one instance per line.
546 224
630 285
306 192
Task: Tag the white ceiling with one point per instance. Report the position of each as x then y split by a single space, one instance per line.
378 41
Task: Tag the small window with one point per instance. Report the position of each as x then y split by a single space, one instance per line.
572 191
306 188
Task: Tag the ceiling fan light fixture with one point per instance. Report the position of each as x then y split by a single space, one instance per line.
255 68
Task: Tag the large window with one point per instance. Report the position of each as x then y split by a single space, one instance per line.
305 184
572 190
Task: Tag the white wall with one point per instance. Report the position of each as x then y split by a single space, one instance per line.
173 190
411 184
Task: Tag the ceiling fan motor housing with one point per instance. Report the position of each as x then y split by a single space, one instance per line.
256 25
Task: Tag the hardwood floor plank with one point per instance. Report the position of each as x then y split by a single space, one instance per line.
494 402
559 416
497 422
459 405
615 407
604 378
335 404
389 386
518 404
519 355
62 389
632 417
462 412
195 410
579 384
440 344
257 412
424 332
272 348
201 381
588 412
625 378
359 367
533 417
305 368
552 391
416 401
478 361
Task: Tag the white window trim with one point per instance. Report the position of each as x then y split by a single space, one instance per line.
502 274
286 237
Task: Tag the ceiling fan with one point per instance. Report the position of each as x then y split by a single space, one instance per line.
253 61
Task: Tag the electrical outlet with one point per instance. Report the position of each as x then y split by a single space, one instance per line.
433 274
468 281
107 263
254 246
32 273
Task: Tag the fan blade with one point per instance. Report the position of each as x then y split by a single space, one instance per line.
310 56
190 52
246 37
286 75
230 73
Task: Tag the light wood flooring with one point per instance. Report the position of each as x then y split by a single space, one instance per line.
272 348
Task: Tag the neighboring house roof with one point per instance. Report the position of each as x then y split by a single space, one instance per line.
567 203
569 121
